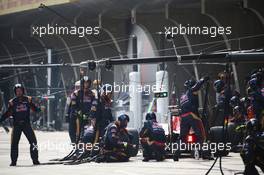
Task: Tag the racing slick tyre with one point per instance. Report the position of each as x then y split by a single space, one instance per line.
232 134
134 141
216 136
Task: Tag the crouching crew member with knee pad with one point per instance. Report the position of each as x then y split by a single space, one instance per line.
253 149
116 142
152 137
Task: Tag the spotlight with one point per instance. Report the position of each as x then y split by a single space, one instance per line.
108 65
91 65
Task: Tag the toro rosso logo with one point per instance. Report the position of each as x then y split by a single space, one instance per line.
184 99
21 108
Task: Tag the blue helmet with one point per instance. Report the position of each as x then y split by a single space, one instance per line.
151 116
245 101
189 83
17 86
253 83
123 117
237 110
259 76
252 125
234 101
219 85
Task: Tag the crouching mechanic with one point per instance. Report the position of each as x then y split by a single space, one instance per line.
19 107
116 142
152 137
253 148
189 110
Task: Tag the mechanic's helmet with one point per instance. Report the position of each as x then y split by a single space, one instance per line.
234 101
237 110
253 84
151 116
124 119
253 76
219 85
107 88
252 125
189 83
245 101
19 86
258 76
86 78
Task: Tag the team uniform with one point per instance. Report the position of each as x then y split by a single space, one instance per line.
19 109
106 116
189 113
88 109
153 140
116 142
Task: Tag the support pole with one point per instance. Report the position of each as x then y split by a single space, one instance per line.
48 89
162 84
135 96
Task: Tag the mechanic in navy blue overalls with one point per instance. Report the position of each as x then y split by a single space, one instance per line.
257 97
189 111
116 141
106 103
19 108
152 137
70 118
88 110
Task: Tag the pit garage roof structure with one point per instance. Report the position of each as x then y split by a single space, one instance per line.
117 21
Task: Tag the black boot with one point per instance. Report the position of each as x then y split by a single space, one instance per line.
159 158
36 162
12 164
146 159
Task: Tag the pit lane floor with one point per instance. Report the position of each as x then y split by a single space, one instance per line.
51 144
